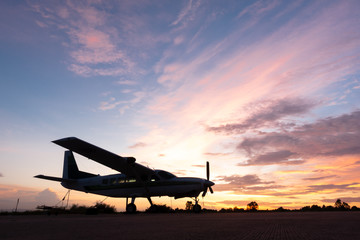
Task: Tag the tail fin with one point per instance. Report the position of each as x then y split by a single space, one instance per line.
71 170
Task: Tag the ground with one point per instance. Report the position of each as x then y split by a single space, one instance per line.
272 225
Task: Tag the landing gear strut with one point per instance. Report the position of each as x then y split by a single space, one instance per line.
131 207
197 207
153 207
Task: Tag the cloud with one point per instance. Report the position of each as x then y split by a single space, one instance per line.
252 145
47 197
243 181
267 114
279 157
110 104
187 13
122 105
95 47
345 199
244 184
217 154
138 145
126 82
235 202
319 178
337 187
272 189
198 165
258 8
332 136
92 42
29 197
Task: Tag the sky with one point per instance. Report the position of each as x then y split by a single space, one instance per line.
267 91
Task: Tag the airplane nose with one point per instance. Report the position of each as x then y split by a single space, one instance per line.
209 183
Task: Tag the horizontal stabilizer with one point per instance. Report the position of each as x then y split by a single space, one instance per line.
56 179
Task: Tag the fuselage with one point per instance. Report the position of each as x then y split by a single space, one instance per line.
118 185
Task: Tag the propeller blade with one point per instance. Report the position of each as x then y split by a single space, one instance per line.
204 193
207 171
208 184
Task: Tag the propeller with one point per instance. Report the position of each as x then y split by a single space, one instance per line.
208 183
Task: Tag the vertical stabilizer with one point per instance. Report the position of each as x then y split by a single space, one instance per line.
71 170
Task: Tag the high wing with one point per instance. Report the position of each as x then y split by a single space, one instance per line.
126 165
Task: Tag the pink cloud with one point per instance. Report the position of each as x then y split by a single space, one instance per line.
108 105
186 14
94 45
113 103
138 145
267 114
331 137
258 8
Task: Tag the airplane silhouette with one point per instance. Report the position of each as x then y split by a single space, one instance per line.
133 181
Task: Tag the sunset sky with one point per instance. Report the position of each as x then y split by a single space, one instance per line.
267 91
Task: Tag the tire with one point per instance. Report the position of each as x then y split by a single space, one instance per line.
131 208
197 208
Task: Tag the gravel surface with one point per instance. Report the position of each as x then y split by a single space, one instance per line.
284 225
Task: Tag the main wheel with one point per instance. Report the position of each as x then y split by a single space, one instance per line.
131 208
197 208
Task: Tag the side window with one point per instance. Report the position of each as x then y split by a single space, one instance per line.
112 180
154 178
132 180
105 181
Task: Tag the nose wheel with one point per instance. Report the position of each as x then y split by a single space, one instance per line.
197 207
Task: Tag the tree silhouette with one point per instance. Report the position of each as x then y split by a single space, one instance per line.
252 206
341 205
338 203
345 206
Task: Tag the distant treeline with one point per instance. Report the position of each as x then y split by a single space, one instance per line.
338 206
102 208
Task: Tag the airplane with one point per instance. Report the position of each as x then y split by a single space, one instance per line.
133 181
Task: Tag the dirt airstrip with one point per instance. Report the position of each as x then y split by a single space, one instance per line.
271 225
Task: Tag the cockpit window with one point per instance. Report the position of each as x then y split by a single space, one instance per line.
165 175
